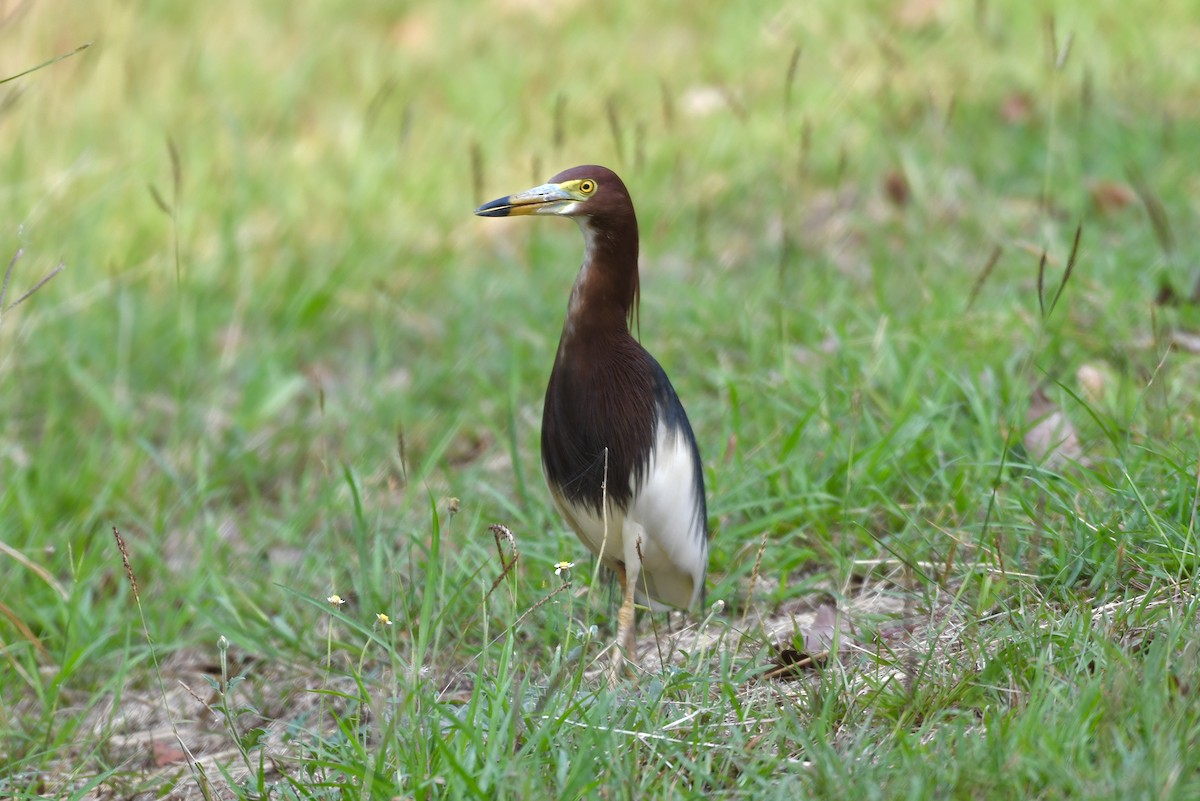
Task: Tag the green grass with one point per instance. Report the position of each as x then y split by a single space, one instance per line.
285 361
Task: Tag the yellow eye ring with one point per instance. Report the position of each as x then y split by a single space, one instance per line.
587 186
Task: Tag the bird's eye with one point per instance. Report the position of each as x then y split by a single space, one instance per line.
587 186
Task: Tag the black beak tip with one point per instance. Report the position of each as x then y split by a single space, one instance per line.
494 208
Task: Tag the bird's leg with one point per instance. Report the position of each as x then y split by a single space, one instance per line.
626 617
625 650
619 650
627 576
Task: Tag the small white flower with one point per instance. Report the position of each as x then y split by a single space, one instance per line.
559 567
335 600
382 619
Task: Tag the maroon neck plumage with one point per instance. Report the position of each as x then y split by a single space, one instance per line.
607 291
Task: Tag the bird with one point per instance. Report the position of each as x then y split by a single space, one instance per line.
618 452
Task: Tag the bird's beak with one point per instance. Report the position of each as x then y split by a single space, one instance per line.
544 199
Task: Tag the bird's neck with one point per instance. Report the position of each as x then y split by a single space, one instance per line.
605 296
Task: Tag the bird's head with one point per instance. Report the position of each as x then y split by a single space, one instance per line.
599 202
587 191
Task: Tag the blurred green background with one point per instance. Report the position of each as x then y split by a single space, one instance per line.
282 343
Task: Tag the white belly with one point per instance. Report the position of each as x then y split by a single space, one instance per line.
665 514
